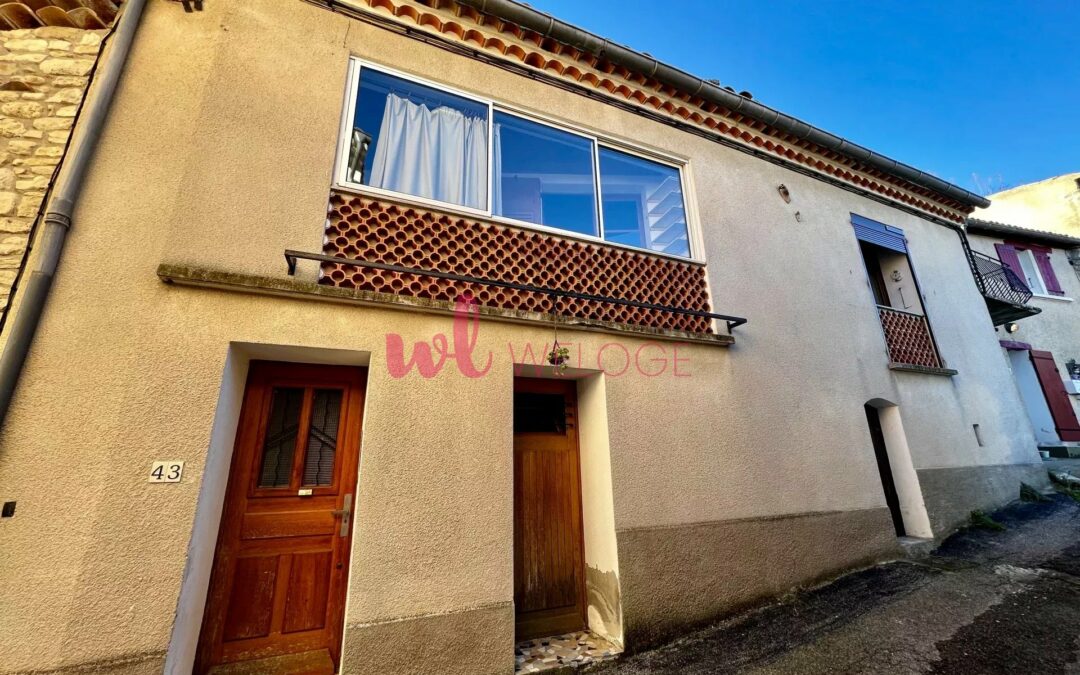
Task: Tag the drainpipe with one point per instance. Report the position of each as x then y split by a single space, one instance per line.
61 206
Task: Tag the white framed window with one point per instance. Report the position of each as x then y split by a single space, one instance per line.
1030 268
411 138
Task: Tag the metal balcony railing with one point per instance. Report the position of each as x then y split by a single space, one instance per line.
292 256
997 281
908 338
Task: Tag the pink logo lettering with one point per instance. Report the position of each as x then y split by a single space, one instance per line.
466 329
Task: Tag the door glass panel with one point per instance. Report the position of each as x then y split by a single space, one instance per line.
281 431
322 437
539 413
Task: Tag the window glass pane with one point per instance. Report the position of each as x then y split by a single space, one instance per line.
322 437
280 442
418 140
543 175
1031 272
643 203
539 413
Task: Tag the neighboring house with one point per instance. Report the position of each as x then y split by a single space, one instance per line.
45 58
1052 204
218 453
1044 350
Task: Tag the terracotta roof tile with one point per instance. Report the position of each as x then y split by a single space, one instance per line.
89 14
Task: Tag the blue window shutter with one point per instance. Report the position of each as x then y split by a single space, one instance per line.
879 234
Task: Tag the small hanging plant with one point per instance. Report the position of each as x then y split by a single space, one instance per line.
559 356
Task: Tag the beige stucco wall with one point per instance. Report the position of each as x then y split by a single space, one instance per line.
1052 204
232 165
1056 328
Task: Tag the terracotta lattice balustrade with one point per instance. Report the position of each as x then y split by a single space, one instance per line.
361 228
908 338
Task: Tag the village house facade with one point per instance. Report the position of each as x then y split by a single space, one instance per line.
1043 350
289 403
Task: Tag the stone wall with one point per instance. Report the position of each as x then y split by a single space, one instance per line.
43 76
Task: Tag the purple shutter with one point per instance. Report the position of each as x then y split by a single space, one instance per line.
1007 255
1042 259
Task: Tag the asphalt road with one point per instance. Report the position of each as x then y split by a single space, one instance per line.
985 602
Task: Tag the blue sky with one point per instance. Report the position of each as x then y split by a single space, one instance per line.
982 94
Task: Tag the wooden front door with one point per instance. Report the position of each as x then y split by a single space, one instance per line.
277 589
1056 397
549 558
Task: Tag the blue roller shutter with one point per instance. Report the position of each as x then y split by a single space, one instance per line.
879 234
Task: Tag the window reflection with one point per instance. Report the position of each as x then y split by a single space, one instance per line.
418 140
643 203
543 175
539 413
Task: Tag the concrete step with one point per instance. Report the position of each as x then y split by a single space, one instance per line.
916 548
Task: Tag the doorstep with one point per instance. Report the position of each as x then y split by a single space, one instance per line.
916 548
571 650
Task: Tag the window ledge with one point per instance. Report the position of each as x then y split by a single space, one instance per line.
1059 298
926 370
186 275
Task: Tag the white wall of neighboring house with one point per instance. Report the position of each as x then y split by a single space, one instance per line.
1057 327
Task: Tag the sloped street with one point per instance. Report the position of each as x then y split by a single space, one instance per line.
985 602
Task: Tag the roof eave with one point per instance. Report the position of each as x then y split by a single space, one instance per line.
978 226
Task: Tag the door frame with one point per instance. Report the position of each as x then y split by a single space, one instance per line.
885 469
569 388
250 424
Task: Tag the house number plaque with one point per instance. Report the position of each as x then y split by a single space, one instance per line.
166 472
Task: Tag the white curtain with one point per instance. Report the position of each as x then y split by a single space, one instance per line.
438 154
